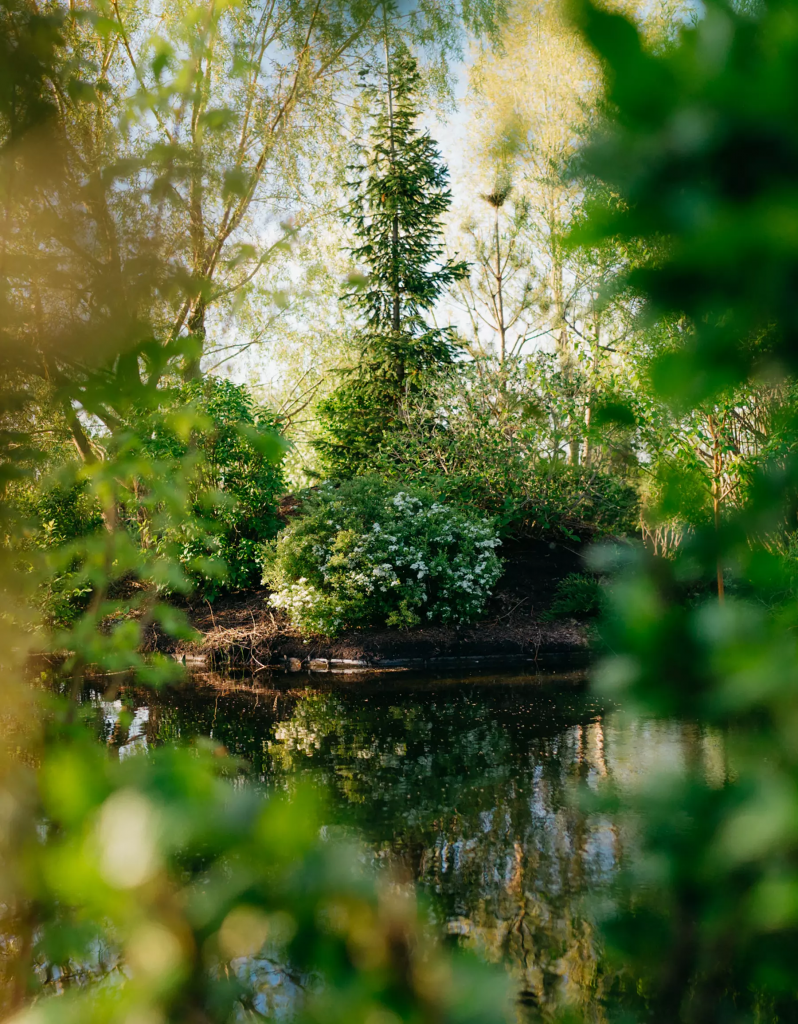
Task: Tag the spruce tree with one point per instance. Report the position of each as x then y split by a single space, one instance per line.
400 192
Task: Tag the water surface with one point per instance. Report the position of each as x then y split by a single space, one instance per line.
468 787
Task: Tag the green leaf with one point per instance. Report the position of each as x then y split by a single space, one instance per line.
217 118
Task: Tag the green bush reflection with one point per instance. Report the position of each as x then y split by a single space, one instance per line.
469 791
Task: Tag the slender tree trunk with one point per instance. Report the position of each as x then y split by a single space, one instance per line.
197 330
594 368
79 436
196 320
25 920
396 316
80 439
559 310
499 296
560 325
717 483
397 319
716 507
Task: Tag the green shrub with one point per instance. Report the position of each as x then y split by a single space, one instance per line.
51 514
482 439
577 596
549 499
208 433
353 421
521 496
368 553
238 482
60 511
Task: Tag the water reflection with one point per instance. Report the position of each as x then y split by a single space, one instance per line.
465 788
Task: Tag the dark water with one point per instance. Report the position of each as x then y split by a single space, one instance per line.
468 787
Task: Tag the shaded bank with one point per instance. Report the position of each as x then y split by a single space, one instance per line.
242 629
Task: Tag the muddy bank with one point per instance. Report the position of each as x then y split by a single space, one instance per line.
242 629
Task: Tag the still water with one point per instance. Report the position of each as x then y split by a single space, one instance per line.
468 787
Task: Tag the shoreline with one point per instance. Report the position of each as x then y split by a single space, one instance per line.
242 631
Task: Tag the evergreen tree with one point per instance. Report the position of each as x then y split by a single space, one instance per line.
400 187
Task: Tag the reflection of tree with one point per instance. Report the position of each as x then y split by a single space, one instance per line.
470 792
239 720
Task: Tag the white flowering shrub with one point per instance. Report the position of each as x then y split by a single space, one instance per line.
367 553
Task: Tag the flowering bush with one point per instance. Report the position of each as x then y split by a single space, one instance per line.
366 553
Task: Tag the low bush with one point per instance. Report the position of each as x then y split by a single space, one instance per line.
207 437
543 500
577 596
369 553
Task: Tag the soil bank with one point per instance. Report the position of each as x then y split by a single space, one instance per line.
241 629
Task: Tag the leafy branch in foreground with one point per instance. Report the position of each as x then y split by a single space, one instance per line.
701 146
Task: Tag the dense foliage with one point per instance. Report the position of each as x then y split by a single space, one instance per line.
492 440
577 595
701 148
206 432
703 152
150 889
367 553
238 483
54 515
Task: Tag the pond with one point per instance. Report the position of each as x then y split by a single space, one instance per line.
467 787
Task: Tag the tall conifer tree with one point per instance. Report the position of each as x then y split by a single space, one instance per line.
401 191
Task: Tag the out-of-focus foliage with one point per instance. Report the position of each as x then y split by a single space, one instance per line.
700 146
151 888
695 464
371 553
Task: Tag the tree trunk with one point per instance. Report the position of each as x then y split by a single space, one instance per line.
500 297
717 483
594 368
196 326
396 318
560 326
716 505
79 436
196 322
